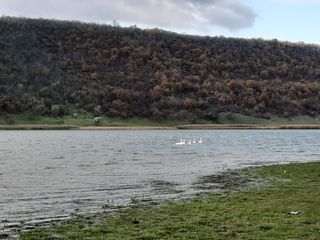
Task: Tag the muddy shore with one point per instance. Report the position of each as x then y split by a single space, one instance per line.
224 182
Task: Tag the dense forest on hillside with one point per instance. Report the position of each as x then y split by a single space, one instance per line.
59 68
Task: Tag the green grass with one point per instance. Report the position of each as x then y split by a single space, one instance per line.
262 212
87 120
232 118
81 120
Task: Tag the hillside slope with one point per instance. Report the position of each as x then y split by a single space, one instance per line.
59 68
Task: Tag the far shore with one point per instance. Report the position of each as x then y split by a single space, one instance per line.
204 127
178 127
38 127
248 126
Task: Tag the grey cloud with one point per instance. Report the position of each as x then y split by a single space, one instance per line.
241 16
185 14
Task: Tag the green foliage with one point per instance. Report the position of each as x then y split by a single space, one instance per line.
47 66
57 110
285 206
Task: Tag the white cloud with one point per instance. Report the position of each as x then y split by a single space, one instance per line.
184 14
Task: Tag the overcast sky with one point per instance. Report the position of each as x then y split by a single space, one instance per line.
292 20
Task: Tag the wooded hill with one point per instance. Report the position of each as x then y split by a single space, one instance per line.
58 68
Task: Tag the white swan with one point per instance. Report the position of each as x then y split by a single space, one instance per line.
194 141
182 142
200 141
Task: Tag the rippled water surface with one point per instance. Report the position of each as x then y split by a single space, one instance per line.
44 174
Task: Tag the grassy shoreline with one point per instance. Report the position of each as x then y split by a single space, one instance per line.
282 203
85 122
38 127
246 126
178 127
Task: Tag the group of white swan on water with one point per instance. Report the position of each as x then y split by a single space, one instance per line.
185 141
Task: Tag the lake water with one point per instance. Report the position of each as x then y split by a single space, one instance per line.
45 174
